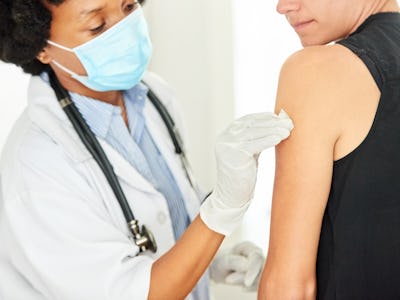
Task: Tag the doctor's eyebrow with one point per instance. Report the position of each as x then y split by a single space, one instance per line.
85 13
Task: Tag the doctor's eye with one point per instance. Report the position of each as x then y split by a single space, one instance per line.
98 28
132 6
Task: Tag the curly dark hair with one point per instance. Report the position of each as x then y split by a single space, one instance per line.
24 31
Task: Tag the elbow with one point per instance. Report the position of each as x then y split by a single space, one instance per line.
288 290
305 292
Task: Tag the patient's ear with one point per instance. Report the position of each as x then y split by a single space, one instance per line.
44 57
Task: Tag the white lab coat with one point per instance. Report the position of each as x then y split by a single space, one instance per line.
62 232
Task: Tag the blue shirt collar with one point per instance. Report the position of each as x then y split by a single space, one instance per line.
94 110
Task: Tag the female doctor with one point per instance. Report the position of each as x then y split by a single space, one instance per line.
63 234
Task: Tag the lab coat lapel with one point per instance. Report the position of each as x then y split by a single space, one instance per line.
125 171
48 115
159 132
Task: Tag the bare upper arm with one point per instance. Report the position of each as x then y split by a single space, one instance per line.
318 89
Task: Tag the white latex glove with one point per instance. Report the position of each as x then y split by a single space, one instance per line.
241 265
237 150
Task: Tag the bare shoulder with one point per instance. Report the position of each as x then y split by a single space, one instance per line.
324 83
317 55
322 70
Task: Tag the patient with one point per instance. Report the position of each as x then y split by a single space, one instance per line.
335 225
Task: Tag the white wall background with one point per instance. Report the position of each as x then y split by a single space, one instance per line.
222 58
193 51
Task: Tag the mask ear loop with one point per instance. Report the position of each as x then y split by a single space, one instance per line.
60 46
65 69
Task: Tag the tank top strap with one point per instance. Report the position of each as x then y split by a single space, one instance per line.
371 44
369 60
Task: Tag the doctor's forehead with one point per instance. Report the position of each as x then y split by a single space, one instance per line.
71 10
79 8
84 8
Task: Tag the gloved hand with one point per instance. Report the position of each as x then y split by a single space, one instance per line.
237 150
241 265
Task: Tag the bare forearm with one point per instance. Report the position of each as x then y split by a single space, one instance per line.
175 274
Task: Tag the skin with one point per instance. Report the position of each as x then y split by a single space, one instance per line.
176 272
326 129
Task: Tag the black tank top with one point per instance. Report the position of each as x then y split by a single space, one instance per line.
359 247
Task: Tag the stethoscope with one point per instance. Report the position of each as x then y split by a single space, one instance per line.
142 236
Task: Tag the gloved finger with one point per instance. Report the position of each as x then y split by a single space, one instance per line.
255 265
266 119
236 278
285 123
242 130
232 262
258 132
252 148
268 122
264 116
259 116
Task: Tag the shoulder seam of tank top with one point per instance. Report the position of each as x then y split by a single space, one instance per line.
369 60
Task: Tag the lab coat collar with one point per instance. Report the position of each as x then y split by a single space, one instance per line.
124 170
46 113
41 94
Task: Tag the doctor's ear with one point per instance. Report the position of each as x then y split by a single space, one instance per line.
44 57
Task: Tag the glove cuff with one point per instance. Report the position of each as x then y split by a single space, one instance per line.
221 218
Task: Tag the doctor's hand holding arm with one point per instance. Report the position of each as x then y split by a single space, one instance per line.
237 150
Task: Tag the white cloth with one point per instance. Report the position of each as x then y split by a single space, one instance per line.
62 232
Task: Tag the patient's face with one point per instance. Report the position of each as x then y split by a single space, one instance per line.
319 22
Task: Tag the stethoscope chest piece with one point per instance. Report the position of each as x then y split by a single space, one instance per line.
151 243
143 237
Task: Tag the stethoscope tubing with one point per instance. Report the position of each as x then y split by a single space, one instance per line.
91 143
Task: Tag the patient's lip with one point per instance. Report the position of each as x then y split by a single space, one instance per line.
301 25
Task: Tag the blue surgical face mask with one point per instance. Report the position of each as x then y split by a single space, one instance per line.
117 58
